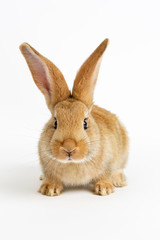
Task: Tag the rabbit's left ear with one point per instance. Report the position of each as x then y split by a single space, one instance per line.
46 76
86 78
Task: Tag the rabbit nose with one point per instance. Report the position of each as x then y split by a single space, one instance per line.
69 153
69 146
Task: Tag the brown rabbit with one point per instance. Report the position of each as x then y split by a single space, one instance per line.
81 143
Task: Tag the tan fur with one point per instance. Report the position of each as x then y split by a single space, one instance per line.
51 188
71 155
86 78
55 89
118 178
103 187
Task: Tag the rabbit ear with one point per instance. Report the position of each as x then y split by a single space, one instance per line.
46 75
86 78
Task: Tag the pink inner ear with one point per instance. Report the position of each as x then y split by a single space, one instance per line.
38 69
42 78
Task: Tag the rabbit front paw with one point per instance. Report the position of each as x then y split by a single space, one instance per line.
51 188
103 187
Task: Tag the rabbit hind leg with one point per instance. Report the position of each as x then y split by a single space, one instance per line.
118 178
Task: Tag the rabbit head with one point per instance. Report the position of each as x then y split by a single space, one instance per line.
72 133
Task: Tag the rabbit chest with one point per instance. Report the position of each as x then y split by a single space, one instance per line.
73 174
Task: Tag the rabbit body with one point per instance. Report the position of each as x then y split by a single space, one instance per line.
81 143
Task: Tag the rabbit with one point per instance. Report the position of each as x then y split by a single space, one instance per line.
81 143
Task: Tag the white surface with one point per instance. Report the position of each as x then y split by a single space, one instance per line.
128 85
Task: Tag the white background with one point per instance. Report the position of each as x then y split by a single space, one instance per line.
128 85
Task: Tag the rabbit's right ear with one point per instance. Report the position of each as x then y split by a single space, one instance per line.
46 75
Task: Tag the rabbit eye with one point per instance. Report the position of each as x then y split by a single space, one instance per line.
55 123
85 124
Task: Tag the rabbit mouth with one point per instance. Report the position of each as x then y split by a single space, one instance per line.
69 159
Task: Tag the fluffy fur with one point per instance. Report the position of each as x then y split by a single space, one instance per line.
69 154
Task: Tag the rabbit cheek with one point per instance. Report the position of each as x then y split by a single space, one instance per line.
81 151
57 153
